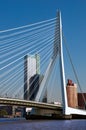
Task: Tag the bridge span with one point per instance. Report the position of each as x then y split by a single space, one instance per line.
27 103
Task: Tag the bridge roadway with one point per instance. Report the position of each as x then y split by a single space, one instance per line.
27 103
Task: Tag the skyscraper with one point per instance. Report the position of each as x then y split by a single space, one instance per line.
31 68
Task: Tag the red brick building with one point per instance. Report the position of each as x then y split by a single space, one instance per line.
81 103
72 94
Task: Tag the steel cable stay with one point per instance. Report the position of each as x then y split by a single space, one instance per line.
17 59
30 25
14 45
24 31
29 34
22 50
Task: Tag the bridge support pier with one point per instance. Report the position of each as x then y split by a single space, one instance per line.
40 113
45 112
37 113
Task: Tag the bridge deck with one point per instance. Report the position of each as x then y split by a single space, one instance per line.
19 102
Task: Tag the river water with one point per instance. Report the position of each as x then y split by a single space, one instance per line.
22 124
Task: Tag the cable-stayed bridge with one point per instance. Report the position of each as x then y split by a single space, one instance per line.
32 70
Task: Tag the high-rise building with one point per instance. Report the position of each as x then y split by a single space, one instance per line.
72 94
31 67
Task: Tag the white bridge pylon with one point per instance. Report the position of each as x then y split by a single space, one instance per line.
58 51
